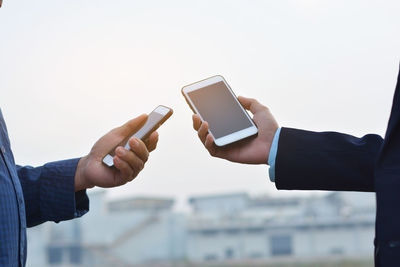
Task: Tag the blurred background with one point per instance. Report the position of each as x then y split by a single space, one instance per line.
72 70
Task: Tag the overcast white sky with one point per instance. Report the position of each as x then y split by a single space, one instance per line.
72 70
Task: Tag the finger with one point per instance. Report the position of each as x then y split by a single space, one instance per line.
127 173
196 122
139 148
202 132
152 141
118 135
251 104
209 144
130 127
128 156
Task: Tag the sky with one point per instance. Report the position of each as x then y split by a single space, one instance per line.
70 71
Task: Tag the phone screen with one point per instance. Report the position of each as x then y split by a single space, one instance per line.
152 120
220 109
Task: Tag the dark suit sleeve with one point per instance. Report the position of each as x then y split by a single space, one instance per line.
326 161
49 192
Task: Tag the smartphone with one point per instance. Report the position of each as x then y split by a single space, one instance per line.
157 117
214 101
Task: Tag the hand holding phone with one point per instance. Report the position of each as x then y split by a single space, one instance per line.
91 171
214 101
253 150
155 119
250 151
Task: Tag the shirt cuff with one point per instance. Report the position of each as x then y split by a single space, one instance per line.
272 155
58 197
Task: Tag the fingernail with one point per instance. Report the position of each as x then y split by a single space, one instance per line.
121 151
135 142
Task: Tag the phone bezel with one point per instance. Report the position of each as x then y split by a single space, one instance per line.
230 138
163 110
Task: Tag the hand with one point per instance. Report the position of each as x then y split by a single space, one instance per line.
251 151
128 163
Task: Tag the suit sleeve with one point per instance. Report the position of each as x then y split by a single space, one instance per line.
326 161
49 192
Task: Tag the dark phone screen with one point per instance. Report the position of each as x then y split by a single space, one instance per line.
217 106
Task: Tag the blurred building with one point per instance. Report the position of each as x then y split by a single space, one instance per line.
228 227
114 233
237 227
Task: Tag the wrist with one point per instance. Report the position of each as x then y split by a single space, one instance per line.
80 180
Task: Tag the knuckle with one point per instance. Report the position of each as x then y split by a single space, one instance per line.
212 152
116 133
142 145
131 124
125 169
153 147
141 165
132 176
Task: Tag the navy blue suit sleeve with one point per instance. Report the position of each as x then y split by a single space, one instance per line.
49 192
326 161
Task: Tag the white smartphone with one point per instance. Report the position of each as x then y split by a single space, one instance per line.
214 101
157 117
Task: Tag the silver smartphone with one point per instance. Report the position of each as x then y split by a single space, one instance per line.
157 117
214 101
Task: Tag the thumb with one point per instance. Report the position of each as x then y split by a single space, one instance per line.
118 136
251 104
131 126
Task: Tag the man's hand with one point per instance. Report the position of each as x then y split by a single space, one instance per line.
128 163
251 151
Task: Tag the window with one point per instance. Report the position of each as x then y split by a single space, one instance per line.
232 231
281 245
255 230
336 251
210 257
54 255
75 255
229 253
209 232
